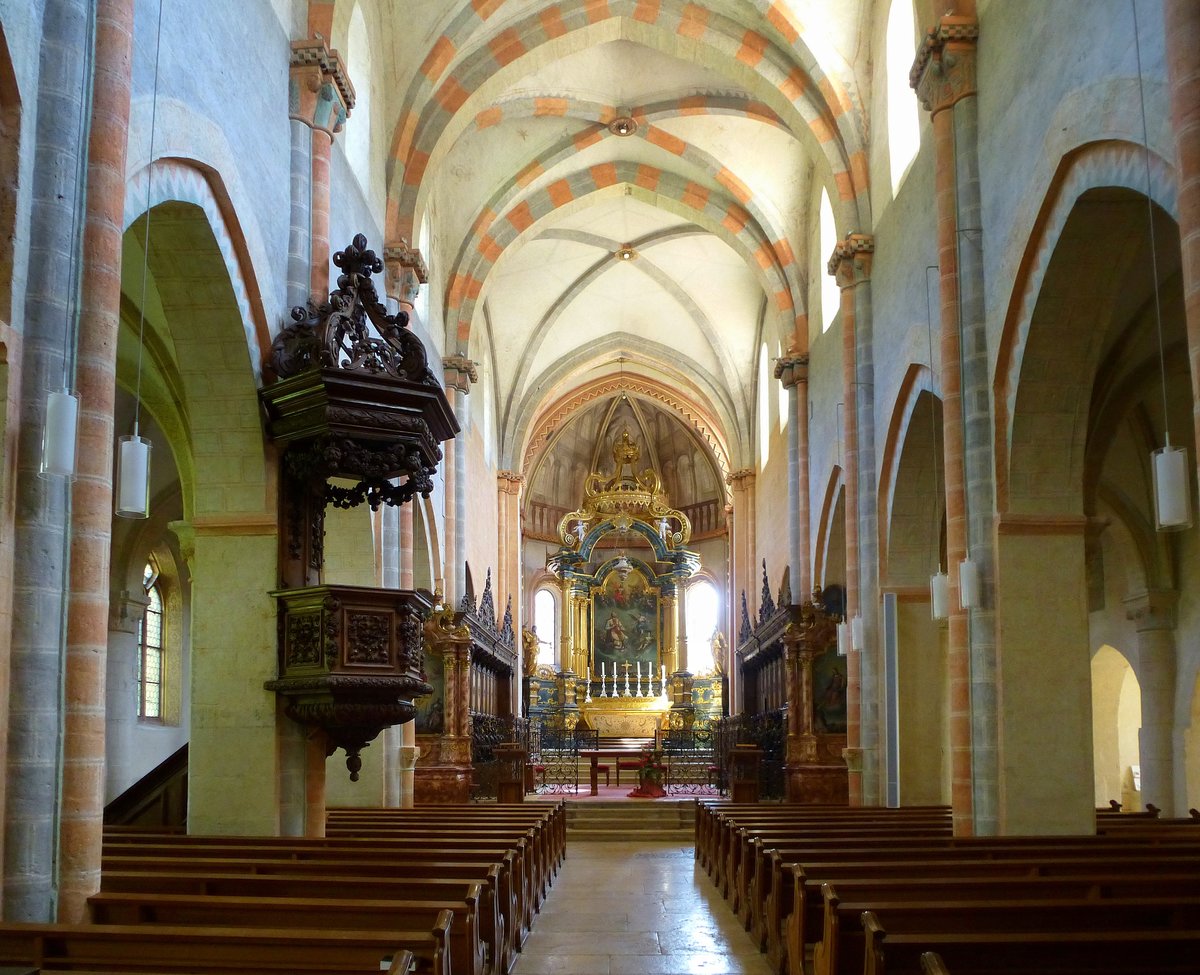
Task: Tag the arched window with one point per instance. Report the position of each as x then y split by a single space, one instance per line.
703 618
764 409
150 649
357 139
831 296
903 116
545 622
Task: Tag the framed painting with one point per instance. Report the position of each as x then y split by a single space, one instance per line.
626 626
829 693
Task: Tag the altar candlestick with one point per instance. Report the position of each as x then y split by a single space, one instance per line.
662 683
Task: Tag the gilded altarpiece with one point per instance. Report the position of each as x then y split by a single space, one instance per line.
622 564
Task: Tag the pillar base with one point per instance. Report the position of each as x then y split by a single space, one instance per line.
442 785
818 785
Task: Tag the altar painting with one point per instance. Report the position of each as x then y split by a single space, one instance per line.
430 716
625 624
829 693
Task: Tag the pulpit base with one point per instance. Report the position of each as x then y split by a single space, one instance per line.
818 785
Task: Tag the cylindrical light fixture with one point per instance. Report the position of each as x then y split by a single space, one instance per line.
939 595
1172 489
843 638
133 477
60 435
857 642
968 584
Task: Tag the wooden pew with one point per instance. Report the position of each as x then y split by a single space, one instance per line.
553 814
802 923
457 920
1048 953
207 951
471 901
841 948
298 849
505 931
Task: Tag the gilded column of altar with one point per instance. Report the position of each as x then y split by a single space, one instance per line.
850 264
945 80
798 663
671 603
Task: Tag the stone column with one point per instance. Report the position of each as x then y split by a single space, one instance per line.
851 265
320 97
120 689
459 372
409 753
1044 675
508 565
792 371
1183 75
944 77
1153 616
82 809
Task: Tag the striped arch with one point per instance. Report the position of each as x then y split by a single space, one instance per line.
418 135
918 379
719 214
1091 166
771 224
558 106
177 180
553 417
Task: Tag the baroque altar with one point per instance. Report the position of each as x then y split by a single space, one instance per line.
622 564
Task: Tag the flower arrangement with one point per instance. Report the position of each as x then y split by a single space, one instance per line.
650 775
652 767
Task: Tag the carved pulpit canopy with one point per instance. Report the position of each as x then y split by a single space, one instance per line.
353 393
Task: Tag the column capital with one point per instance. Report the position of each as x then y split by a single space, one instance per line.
510 481
319 92
125 611
791 370
460 372
406 270
1152 609
850 262
185 535
944 69
741 478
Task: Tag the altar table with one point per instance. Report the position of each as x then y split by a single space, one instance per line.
595 754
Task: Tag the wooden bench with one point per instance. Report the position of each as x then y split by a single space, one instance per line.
842 946
209 951
1038 953
501 927
456 920
339 848
802 919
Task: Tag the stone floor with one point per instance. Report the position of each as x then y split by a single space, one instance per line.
634 908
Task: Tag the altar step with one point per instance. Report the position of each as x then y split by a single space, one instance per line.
645 819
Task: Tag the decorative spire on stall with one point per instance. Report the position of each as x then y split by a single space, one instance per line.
766 608
745 631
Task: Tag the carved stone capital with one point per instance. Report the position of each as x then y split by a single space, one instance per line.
850 262
510 482
944 70
460 372
406 271
1152 609
741 478
319 92
185 535
791 370
125 611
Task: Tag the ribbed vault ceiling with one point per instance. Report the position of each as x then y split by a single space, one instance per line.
505 170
